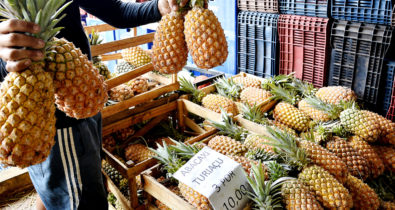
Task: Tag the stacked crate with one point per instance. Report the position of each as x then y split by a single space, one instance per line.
303 29
391 109
257 37
361 37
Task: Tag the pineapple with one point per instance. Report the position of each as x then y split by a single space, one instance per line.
331 193
188 87
121 93
254 142
387 205
109 143
112 173
387 128
387 155
253 114
204 36
217 102
328 190
138 153
357 165
246 81
123 67
97 62
361 124
284 128
336 94
228 88
363 196
136 56
169 52
124 133
297 196
139 85
312 112
376 165
27 110
254 96
246 163
291 116
227 146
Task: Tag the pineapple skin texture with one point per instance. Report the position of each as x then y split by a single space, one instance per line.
139 85
297 196
376 165
387 128
169 52
247 82
325 159
121 93
193 197
205 38
335 94
227 145
80 91
101 67
138 153
357 165
123 67
214 102
387 155
27 117
256 142
363 196
136 56
254 96
361 124
330 192
291 116
315 114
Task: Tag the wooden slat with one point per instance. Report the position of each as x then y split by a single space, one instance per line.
121 44
201 111
164 195
192 125
99 28
110 57
126 77
160 78
111 110
13 180
251 126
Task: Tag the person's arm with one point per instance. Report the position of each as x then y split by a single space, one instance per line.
123 14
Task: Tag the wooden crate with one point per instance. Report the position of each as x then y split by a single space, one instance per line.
156 114
105 51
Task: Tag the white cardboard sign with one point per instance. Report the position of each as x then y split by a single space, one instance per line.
219 178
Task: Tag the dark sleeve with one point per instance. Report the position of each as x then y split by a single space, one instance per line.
123 14
3 71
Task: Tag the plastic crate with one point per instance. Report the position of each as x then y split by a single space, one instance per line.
257 43
314 8
357 58
389 80
304 43
270 6
369 11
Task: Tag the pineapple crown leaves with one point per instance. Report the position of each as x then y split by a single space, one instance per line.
228 127
288 95
286 145
262 155
305 89
277 170
197 3
254 113
278 80
266 195
188 87
228 88
94 38
45 13
168 158
332 110
184 151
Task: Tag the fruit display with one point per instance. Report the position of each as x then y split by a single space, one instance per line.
138 85
94 39
123 67
121 93
136 56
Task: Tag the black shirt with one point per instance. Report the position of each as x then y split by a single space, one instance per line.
114 12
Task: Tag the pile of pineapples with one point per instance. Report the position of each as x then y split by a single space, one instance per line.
320 151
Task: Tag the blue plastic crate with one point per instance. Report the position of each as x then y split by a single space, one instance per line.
368 11
257 43
390 71
313 8
358 50
226 14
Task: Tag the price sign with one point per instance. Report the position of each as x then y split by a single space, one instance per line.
219 178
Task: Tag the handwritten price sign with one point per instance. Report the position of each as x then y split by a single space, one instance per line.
219 178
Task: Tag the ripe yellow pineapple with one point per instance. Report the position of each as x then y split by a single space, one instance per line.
246 163
254 141
376 165
254 96
246 82
80 90
363 196
387 155
335 94
285 128
138 153
136 56
139 85
387 205
361 124
123 67
313 113
27 109
196 199
387 128
205 37
121 93
357 165
169 52
216 102
227 145
328 190
291 116
297 196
